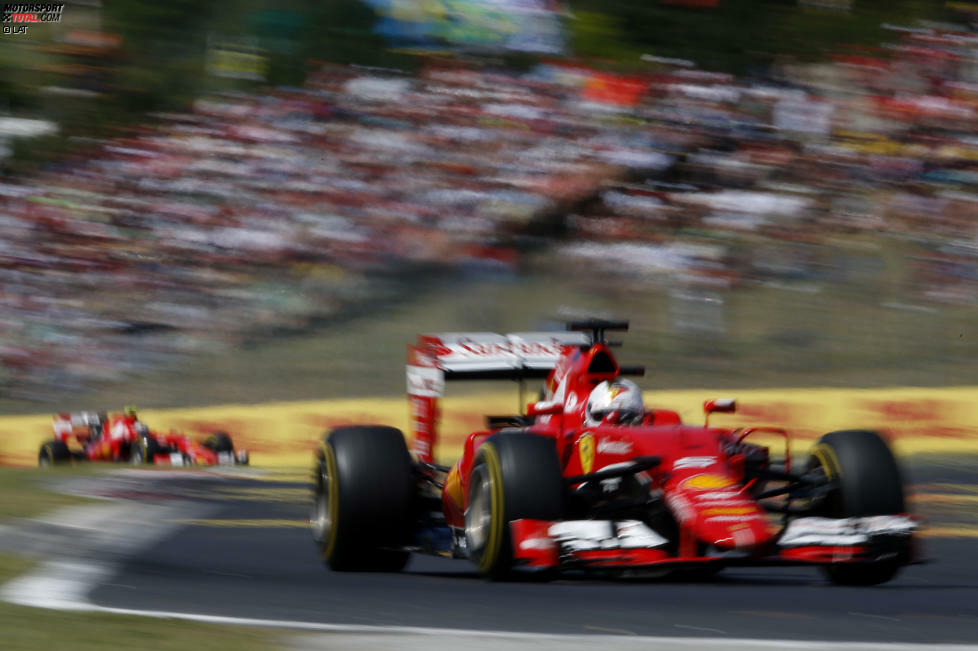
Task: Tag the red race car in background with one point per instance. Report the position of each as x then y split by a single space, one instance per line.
588 479
92 436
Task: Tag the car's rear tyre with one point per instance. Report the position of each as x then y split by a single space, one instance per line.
514 475
363 510
867 482
219 442
143 450
53 453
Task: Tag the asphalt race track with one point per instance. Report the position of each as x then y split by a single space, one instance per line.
251 556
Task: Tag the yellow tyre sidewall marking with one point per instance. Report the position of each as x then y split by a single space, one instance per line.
329 458
490 553
830 462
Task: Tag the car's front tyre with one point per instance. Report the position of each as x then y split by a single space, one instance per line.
219 442
866 481
514 475
143 450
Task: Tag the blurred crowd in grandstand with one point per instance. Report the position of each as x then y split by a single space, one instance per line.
254 212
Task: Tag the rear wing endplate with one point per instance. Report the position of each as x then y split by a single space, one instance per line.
473 356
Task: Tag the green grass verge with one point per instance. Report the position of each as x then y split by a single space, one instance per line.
29 629
25 493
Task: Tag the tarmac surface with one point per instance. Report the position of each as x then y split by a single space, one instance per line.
236 546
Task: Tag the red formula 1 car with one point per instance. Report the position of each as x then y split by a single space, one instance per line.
91 436
589 479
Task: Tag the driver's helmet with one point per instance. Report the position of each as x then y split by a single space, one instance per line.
622 396
130 412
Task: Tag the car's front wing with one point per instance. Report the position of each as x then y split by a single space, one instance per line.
621 544
180 459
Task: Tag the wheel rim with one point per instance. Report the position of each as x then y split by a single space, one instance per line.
137 456
478 517
44 460
828 504
321 519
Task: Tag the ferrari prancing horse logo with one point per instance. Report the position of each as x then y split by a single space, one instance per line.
585 449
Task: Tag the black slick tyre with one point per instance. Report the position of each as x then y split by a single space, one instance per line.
867 482
514 475
143 450
219 442
53 453
364 496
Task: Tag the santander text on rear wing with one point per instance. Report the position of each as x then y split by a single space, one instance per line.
79 423
487 355
474 356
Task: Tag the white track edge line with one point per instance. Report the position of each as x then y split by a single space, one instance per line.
296 625
514 635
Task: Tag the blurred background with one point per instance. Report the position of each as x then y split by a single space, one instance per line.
252 200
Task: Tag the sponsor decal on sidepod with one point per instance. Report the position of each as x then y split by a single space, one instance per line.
609 446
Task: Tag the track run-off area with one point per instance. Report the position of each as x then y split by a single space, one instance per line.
233 545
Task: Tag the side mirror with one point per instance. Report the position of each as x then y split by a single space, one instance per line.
719 406
544 408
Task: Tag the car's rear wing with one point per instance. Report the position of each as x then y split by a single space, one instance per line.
474 356
69 424
489 356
